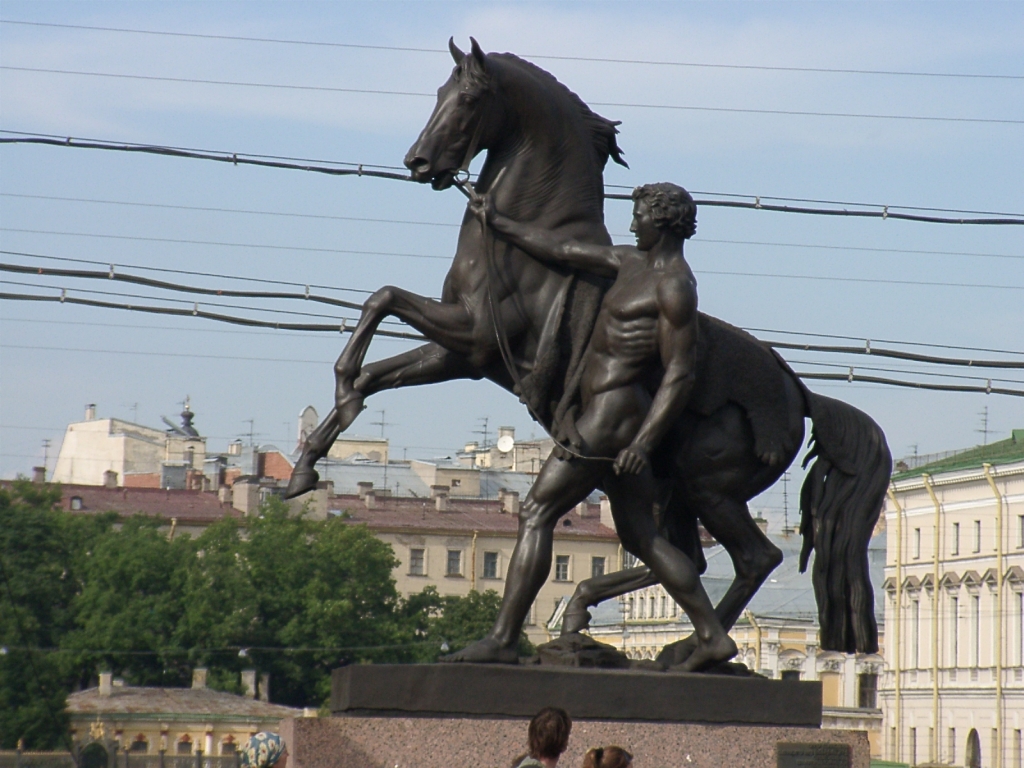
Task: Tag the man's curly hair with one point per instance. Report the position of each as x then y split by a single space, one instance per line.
671 206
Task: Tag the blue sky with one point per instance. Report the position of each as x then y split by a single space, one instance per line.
233 376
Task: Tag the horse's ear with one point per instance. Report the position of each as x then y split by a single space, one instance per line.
456 53
478 54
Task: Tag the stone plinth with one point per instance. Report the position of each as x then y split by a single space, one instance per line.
452 742
495 690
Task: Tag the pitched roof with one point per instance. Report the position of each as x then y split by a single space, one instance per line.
462 516
188 507
1001 452
193 702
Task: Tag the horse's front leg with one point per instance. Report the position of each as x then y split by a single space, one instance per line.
427 364
448 324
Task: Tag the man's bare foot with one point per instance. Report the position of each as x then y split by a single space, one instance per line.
486 651
708 654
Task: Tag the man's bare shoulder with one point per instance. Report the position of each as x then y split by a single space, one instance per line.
677 297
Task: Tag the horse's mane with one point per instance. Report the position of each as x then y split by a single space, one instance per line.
602 130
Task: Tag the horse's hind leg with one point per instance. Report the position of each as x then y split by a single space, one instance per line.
592 591
427 364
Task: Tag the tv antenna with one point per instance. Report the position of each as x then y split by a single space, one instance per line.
984 425
46 452
785 503
482 431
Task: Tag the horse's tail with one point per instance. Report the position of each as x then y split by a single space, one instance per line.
840 503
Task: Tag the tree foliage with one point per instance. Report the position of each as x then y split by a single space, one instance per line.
278 593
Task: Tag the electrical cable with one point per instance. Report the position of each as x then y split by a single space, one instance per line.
867 342
886 212
423 94
366 219
444 52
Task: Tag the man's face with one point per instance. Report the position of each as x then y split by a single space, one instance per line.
643 226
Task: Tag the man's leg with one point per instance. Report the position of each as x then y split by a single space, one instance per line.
632 502
560 486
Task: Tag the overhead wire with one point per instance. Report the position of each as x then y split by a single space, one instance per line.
864 349
357 169
424 94
552 57
452 225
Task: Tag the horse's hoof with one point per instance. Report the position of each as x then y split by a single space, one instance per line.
302 481
575 621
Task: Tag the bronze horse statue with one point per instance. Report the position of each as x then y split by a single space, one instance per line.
524 325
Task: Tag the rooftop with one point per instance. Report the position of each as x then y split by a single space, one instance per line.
194 702
461 516
1001 452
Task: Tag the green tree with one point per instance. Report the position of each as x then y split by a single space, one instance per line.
39 581
130 604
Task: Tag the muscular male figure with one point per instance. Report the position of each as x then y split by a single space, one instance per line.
638 375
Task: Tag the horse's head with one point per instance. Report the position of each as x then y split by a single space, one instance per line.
461 124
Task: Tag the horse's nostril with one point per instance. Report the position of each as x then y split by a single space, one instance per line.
417 165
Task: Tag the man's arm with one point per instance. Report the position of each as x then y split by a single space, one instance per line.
677 343
540 243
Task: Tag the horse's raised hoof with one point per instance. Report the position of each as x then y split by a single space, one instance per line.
302 481
486 651
574 621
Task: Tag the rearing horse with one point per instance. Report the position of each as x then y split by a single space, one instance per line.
501 309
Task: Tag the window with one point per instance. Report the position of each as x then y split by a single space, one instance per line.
1020 629
917 543
976 631
1020 531
951 746
185 746
417 562
456 483
956 539
1016 749
867 691
454 564
664 607
490 565
790 674
228 746
954 635
76 502
977 535
913 746
915 633
597 566
562 568
653 605
139 744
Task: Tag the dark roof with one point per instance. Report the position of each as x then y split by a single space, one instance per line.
462 516
1001 452
188 507
193 702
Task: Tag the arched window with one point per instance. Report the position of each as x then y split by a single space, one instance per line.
139 744
185 745
228 746
973 754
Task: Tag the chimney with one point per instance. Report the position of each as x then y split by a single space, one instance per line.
265 687
581 508
106 683
224 494
38 474
90 412
510 431
761 523
606 513
249 683
110 479
440 500
438 490
198 678
364 487
509 501
370 497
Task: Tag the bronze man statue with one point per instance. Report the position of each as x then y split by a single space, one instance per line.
637 378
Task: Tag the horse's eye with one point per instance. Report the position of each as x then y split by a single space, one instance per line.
467 98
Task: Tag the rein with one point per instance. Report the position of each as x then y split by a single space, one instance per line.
466 187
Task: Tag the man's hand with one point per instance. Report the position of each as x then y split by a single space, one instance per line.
630 461
482 207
